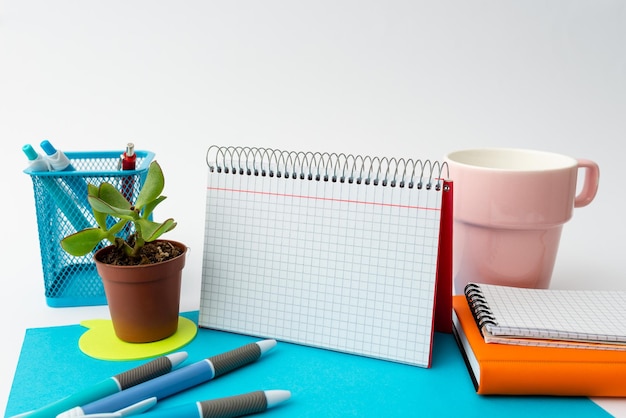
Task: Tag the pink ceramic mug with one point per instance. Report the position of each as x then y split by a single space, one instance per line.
509 209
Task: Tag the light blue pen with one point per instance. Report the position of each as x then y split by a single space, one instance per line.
111 385
64 201
176 381
59 162
229 407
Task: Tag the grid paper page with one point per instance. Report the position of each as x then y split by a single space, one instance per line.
334 265
557 314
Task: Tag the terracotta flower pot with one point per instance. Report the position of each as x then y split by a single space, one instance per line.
143 300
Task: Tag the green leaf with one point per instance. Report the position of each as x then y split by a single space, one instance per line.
110 194
152 186
92 190
117 227
149 207
99 205
83 242
100 217
153 230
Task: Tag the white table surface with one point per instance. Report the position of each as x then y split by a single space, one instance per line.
393 78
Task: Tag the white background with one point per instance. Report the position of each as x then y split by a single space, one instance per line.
387 78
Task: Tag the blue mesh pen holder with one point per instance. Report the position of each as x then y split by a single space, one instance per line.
62 209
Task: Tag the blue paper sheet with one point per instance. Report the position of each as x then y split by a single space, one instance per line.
323 383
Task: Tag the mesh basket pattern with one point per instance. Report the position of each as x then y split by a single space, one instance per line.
62 209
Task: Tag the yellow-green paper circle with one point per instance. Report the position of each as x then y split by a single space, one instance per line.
100 341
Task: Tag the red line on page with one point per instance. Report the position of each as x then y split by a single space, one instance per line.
321 198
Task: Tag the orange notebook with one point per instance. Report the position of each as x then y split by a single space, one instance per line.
504 369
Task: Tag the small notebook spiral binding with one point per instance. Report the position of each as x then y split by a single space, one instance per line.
479 306
324 166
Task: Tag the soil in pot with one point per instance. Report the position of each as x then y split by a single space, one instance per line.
152 252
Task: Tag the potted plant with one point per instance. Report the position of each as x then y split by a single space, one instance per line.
140 272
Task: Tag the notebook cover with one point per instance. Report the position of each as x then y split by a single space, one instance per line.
443 287
525 370
323 383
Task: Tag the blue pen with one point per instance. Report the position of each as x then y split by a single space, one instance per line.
111 385
176 381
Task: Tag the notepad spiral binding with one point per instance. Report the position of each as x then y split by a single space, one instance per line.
324 166
479 306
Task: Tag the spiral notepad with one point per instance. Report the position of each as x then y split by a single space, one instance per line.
328 250
549 317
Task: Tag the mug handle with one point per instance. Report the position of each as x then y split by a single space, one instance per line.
590 185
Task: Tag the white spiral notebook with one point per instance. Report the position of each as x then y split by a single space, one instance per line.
549 317
328 250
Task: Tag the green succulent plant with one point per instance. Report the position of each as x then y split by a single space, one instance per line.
107 201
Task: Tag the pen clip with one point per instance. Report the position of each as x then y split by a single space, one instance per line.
135 409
